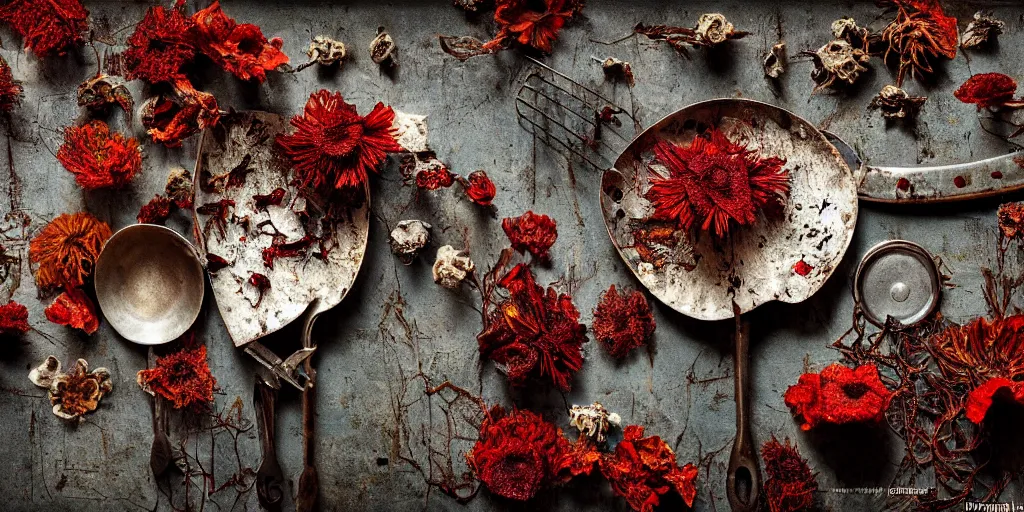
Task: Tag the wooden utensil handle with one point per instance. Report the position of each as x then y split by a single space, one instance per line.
744 481
309 485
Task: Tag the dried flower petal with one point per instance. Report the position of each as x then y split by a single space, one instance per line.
451 267
156 211
49 27
73 308
13 319
10 89
988 90
66 250
333 147
790 484
895 103
643 469
479 188
409 238
159 47
182 377
171 118
715 182
533 25
75 393
1011 220
240 49
534 334
433 175
99 158
981 32
383 50
920 33
531 233
837 63
839 395
623 322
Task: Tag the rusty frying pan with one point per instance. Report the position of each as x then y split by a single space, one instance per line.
240 225
710 279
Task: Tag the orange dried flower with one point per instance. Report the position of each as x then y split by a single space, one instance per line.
531 233
533 25
169 119
623 322
921 32
643 469
839 395
13 319
66 250
73 308
48 27
989 90
10 89
160 46
99 158
240 49
790 484
183 377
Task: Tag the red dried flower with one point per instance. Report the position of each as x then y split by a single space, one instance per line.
533 333
333 146
920 32
531 233
73 308
240 49
156 211
48 27
715 182
66 250
538 28
623 322
980 399
183 377
517 453
435 177
790 484
99 158
839 395
10 89
169 119
987 90
479 188
159 47
1011 220
13 319
643 469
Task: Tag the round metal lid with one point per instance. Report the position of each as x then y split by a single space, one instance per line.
897 278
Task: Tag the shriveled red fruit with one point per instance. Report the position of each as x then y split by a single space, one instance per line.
531 233
480 189
988 90
839 395
13 319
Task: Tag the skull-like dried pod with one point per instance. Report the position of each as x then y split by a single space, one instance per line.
982 31
326 51
72 394
713 29
101 91
451 267
617 70
383 50
593 421
775 61
895 103
179 187
409 238
837 61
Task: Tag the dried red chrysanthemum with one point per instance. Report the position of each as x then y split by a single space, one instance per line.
989 90
169 119
643 469
714 182
73 308
66 250
99 158
435 177
333 146
921 32
183 377
240 49
623 322
533 334
159 47
10 89
48 27
531 233
839 395
980 398
1011 220
156 211
517 453
790 485
531 24
13 319
479 188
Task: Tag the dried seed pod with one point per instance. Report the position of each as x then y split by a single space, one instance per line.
383 50
72 394
775 61
593 420
179 187
326 51
451 267
617 70
713 29
836 61
982 31
409 238
895 103
101 91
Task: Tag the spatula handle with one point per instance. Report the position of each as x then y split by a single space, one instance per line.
744 481
309 485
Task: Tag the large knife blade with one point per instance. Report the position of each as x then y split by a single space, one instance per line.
934 184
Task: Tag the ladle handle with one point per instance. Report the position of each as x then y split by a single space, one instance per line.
309 481
744 481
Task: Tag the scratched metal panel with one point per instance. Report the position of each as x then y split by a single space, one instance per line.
396 321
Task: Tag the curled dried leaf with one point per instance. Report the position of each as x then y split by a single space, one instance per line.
775 62
981 32
895 103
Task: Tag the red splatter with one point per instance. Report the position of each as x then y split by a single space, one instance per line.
156 211
73 309
996 175
13 319
790 484
960 182
987 90
182 377
99 158
272 199
49 27
623 322
643 469
281 249
802 268
531 233
261 283
903 184
838 395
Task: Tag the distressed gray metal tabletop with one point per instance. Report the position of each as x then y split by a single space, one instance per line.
381 440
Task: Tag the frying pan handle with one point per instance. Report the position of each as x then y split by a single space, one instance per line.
744 481
309 485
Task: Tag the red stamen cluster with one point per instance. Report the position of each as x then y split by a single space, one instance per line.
989 90
921 32
183 377
839 395
715 183
240 49
333 147
531 233
73 308
533 25
790 484
479 188
643 469
623 322
13 319
160 46
49 27
156 211
10 89
533 334
99 158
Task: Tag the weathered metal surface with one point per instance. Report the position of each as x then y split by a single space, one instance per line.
932 184
755 265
